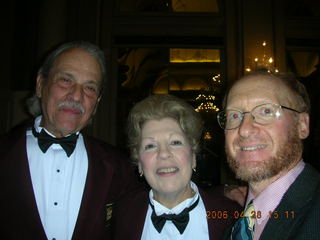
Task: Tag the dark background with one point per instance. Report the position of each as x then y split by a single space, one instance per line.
137 37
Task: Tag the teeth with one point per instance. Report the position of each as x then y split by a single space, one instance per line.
167 170
253 148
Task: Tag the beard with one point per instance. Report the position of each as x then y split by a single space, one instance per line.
289 153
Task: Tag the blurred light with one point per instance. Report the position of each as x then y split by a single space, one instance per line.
207 135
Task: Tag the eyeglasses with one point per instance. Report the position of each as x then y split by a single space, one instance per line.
263 114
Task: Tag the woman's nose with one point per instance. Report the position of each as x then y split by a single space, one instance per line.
164 152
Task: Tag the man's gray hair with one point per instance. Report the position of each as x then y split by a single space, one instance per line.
33 103
34 106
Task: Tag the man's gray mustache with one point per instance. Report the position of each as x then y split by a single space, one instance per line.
73 105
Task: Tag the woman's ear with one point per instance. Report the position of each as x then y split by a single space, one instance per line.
139 167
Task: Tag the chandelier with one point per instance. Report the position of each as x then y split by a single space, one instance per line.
263 62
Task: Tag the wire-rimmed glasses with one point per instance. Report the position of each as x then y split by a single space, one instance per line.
263 114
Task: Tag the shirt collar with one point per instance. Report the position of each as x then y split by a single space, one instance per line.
160 209
37 127
269 198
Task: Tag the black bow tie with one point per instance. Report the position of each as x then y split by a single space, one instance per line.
179 220
45 141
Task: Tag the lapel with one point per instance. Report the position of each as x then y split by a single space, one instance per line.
140 211
294 201
21 187
209 207
130 220
94 199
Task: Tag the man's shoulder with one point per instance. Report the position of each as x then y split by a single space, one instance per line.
18 132
308 183
137 197
100 145
308 180
310 172
306 217
297 215
96 142
98 149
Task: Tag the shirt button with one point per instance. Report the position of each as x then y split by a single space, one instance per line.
58 170
55 203
53 238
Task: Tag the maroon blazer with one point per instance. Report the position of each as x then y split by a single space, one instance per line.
109 177
129 215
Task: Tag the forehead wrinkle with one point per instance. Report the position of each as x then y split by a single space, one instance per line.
75 59
147 138
172 132
246 100
252 91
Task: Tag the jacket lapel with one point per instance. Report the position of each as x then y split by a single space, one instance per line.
293 206
130 215
139 213
22 187
94 199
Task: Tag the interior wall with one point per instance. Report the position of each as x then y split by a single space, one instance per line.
31 29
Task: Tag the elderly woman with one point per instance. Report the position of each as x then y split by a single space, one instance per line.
164 134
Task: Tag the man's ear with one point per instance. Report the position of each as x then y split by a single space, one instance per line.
303 125
39 85
96 106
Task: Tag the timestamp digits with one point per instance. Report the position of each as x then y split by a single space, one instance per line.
220 214
217 214
285 214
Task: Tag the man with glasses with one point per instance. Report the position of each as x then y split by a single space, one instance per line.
265 118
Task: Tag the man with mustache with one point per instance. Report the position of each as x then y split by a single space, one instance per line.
57 183
266 117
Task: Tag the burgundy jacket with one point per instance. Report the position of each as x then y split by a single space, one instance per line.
109 177
129 215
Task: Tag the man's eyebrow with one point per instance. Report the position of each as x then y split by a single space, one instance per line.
64 74
68 74
93 82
